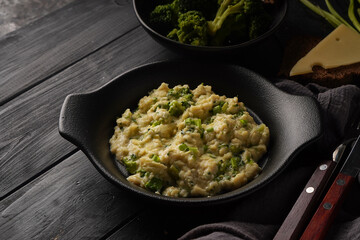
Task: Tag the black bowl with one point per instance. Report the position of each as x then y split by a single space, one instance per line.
144 7
88 119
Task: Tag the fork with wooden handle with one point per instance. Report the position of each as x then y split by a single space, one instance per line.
328 208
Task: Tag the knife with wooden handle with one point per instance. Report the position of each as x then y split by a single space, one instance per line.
326 212
300 213
304 207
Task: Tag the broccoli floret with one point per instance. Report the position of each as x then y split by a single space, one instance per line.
253 7
164 17
176 108
258 25
192 29
233 21
259 19
206 7
130 164
173 35
233 30
154 184
246 12
238 21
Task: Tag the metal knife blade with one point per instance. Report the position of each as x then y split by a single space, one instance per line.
352 163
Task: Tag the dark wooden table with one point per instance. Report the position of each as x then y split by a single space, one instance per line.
48 188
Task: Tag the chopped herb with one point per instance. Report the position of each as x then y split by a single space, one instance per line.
224 107
155 158
218 107
176 109
223 166
201 130
235 162
156 123
181 92
210 129
235 149
243 122
219 178
194 150
195 122
142 173
189 97
183 147
163 106
185 104
154 184
209 120
250 161
130 165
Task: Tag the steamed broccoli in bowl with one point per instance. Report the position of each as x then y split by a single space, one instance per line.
210 22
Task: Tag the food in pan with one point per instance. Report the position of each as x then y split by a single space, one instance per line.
211 22
182 142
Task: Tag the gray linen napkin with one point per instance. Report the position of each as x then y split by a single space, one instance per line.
260 215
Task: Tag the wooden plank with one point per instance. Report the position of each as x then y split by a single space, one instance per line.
15 15
71 201
45 47
34 144
167 222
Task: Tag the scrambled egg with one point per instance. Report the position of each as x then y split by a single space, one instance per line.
182 142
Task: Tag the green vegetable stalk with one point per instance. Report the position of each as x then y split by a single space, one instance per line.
333 17
352 16
223 12
336 14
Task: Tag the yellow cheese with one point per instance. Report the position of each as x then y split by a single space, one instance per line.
341 47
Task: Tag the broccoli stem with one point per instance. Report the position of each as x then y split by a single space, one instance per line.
222 8
223 12
351 14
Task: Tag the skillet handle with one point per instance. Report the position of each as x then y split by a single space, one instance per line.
73 115
303 208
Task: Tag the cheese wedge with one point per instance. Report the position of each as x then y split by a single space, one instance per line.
340 48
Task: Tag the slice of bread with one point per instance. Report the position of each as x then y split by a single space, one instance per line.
298 47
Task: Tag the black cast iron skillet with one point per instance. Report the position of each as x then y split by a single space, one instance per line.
88 119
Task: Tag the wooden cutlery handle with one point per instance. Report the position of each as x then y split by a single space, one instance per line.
303 208
325 214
